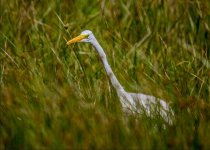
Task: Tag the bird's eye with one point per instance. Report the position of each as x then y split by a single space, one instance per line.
86 36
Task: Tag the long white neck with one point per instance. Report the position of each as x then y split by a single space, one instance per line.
125 99
107 67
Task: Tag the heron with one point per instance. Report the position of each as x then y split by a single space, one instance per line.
131 102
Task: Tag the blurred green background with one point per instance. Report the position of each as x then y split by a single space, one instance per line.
54 96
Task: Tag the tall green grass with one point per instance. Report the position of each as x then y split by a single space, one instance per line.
54 96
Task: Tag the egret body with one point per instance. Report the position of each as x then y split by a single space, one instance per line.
131 102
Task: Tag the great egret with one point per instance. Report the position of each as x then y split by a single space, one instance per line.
131 102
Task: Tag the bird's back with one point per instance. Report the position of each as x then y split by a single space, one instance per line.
152 106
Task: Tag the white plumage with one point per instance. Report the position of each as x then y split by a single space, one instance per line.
131 102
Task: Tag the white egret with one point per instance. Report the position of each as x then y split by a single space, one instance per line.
131 102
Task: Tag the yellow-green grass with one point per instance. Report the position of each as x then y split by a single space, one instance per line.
58 96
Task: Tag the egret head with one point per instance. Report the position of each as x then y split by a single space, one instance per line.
85 36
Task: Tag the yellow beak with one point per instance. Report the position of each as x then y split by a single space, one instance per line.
76 39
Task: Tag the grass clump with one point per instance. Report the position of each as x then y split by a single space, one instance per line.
54 96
